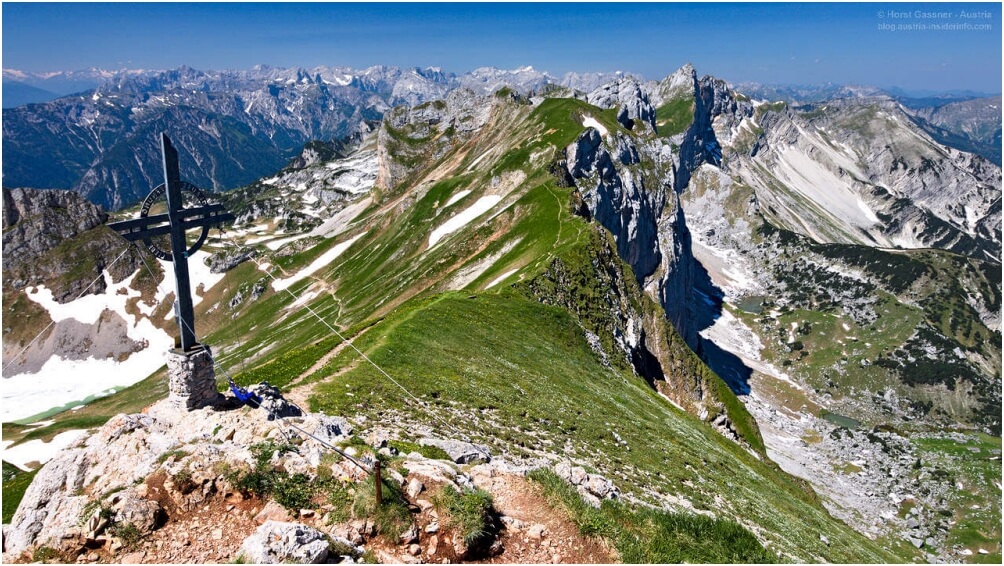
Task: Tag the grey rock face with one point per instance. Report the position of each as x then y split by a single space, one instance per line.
617 198
43 513
49 234
332 429
130 508
223 262
35 222
628 95
273 403
438 123
647 222
460 452
875 178
277 543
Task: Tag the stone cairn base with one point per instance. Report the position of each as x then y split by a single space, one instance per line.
191 379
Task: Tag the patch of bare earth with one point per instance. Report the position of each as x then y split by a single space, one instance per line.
560 541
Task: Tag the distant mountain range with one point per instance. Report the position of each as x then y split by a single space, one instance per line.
231 127
94 131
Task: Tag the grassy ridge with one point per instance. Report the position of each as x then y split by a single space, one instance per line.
515 374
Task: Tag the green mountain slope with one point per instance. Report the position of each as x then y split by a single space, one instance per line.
490 329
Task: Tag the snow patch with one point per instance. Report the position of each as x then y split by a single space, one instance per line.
39 451
457 197
60 382
326 258
501 278
276 244
591 122
199 274
461 219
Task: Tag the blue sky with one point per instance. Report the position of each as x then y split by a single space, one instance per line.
773 43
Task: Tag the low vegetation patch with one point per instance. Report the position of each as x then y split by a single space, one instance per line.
431 452
651 536
471 513
391 517
15 482
299 491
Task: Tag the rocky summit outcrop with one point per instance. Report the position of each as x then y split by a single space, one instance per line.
413 137
166 485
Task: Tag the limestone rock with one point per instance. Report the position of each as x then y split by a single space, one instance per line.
628 95
593 487
276 542
272 512
225 261
273 402
415 487
332 429
131 508
460 452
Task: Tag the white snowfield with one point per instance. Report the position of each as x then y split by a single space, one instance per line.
60 381
591 122
464 217
198 274
37 450
455 198
501 278
326 258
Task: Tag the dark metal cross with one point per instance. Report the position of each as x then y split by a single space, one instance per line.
177 220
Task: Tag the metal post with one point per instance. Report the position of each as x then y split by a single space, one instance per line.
179 247
379 483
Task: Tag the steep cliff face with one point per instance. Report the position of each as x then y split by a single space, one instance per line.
617 197
627 183
57 238
628 329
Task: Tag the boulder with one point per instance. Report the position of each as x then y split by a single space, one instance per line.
273 402
415 487
593 487
131 508
332 429
460 452
46 511
272 512
277 543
